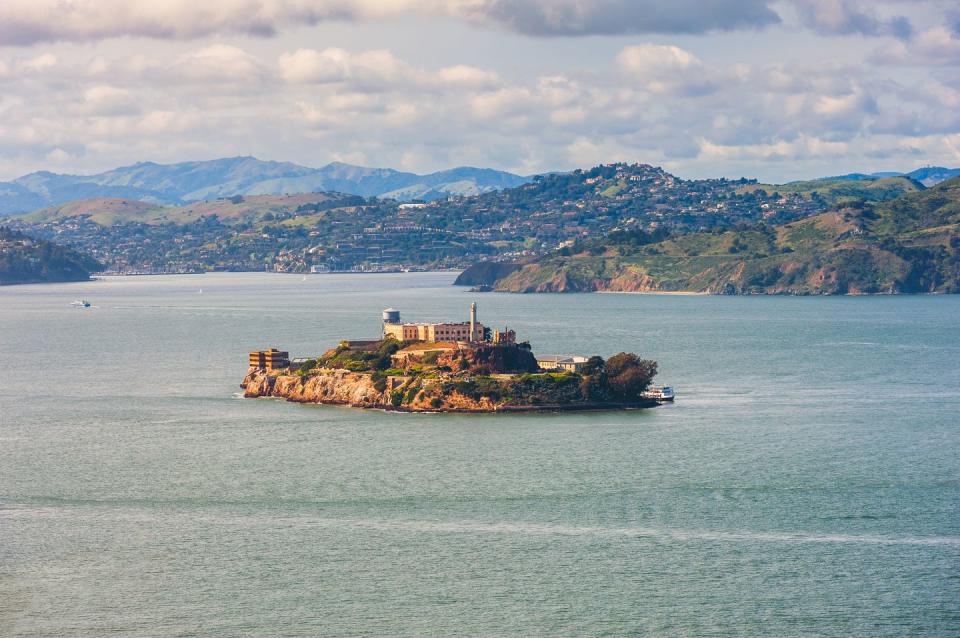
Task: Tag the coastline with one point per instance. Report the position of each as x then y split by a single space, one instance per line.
673 293
522 409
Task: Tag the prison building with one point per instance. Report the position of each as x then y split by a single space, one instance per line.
271 359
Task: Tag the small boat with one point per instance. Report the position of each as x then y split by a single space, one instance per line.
80 303
659 393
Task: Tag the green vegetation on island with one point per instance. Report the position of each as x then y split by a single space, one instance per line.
482 374
25 260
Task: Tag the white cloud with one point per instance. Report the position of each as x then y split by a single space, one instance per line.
842 17
40 63
373 68
666 69
936 46
467 76
803 147
651 102
108 100
26 22
57 156
218 63
656 60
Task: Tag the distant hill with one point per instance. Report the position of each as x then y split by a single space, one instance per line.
336 231
110 211
909 244
928 176
185 182
25 260
844 189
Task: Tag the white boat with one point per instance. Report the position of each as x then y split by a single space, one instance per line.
80 303
659 393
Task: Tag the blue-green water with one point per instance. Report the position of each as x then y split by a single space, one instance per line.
807 481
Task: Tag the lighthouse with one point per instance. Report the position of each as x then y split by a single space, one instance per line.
473 322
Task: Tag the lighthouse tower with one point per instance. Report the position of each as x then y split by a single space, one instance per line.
473 322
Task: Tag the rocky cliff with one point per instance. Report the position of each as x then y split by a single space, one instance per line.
360 390
406 394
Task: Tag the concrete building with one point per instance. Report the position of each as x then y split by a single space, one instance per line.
561 362
271 359
471 330
504 337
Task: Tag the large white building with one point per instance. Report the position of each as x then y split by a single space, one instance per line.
464 331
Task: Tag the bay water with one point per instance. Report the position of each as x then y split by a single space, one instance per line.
806 481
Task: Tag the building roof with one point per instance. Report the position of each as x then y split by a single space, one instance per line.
561 358
427 346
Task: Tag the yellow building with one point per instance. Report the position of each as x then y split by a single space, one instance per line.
464 331
561 362
271 359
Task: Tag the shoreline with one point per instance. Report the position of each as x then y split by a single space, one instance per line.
674 293
518 409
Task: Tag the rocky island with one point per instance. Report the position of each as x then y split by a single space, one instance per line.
451 367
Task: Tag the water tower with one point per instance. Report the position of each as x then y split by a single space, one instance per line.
391 316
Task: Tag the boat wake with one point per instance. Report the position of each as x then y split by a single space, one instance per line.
542 529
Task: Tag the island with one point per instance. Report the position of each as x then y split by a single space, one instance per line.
453 367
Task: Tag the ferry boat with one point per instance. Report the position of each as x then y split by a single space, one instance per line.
80 303
659 393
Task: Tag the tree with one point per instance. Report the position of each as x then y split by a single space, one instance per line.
628 376
594 387
593 365
620 362
628 385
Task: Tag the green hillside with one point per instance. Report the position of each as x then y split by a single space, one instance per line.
110 211
25 260
837 192
908 244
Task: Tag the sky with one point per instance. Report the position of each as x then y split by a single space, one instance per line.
777 90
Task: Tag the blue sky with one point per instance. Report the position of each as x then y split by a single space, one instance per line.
774 90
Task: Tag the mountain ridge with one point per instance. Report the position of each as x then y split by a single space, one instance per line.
186 182
927 175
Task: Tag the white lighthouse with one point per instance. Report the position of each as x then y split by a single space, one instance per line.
473 322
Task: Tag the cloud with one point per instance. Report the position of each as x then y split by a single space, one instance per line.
40 63
936 46
373 68
803 147
658 103
843 17
27 22
377 70
108 100
666 69
575 17
467 76
218 63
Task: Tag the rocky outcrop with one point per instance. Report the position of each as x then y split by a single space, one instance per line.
403 394
328 386
485 273
490 359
